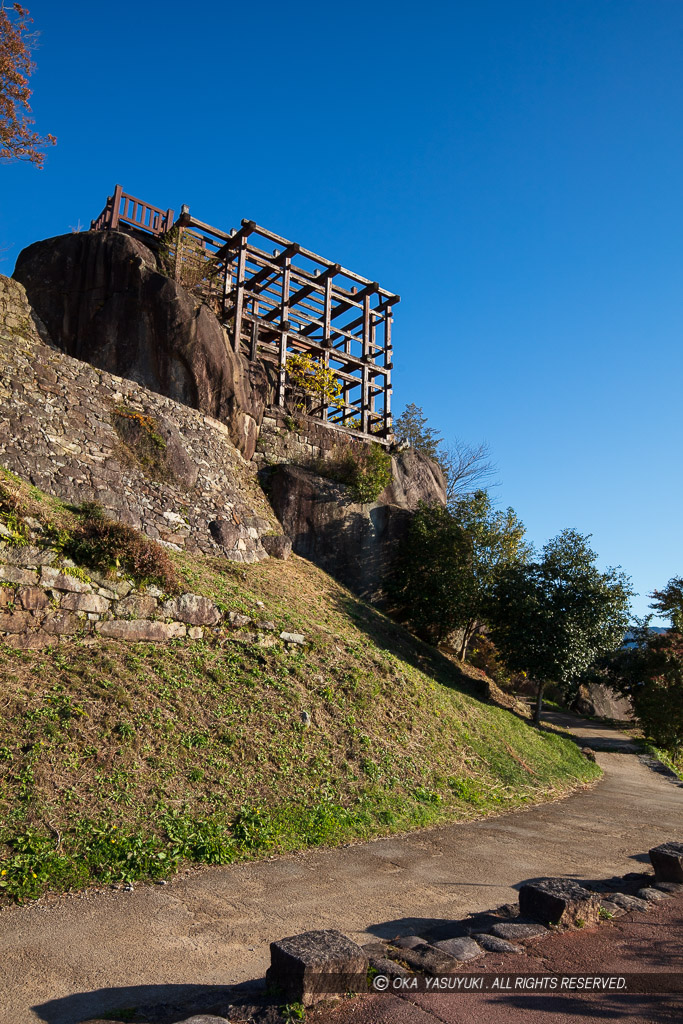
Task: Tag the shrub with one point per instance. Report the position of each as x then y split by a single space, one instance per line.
307 375
106 545
364 468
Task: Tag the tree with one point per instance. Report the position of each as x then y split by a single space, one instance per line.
18 141
551 618
649 671
466 467
669 602
411 426
447 564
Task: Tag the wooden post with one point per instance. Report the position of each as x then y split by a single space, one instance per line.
254 331
284 328
239 293
178 255
115 207
387 376
326 343
364 395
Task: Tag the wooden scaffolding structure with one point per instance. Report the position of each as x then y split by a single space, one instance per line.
276 298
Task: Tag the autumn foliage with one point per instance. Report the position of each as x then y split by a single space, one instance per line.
18 140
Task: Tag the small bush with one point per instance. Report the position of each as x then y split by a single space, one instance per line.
106 545
364 468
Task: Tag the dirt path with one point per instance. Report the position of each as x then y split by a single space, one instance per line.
71 958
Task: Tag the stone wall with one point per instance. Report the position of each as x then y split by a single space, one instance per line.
44 598
57 431
300 440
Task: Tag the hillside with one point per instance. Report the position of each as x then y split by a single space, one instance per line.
118 760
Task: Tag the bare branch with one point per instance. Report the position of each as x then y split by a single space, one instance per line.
468 467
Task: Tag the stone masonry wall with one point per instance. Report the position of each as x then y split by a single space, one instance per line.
301 440
44 598
56 431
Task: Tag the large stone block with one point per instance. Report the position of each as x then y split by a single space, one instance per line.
56 580
626 902
427 959
309 967
62 623
461 948
511 930
26 556
278 546
32 598
85 603
225 532
193 609
137 606
16 622
559 901
12 574
667 860
141 629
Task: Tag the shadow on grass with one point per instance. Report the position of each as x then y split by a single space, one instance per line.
395 639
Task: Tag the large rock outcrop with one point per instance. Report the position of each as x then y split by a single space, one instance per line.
355 543
102 299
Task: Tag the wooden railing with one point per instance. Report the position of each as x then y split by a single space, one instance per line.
122 208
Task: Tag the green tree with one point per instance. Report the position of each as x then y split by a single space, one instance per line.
448 562
650 672
412 426
669 602
552 617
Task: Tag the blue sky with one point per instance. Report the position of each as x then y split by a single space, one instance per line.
513 170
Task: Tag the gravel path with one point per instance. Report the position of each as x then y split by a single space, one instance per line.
70 958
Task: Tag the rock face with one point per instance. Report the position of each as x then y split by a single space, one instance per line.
355 543
103 300
599 701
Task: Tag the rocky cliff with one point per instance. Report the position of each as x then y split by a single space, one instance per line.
355 543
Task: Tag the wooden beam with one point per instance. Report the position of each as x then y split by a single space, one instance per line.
239 292
284 305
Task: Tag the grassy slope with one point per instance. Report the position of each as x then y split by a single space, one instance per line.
118 760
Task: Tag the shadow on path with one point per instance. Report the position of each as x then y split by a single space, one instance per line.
161 1004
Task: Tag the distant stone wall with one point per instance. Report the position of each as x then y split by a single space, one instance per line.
301 440
57 431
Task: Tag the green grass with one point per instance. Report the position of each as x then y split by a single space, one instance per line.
120 761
